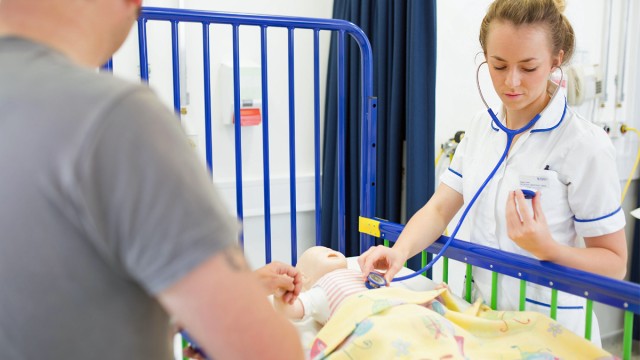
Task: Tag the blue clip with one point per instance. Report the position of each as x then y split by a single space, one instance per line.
375 280
528 194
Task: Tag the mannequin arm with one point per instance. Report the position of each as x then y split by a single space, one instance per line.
294 311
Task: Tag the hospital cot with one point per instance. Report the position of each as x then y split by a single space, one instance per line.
594 288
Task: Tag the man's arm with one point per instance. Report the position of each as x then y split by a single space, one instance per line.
224 308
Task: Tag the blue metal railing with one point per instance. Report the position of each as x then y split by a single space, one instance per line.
341 136
176 67
108 66
206 59
316 132
237 125
265 144
620 294
292 144
623 295
263 22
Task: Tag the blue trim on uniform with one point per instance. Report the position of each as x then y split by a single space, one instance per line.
564 112
559 307
455 172
556 125
596 219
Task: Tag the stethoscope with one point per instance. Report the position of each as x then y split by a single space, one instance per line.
376 279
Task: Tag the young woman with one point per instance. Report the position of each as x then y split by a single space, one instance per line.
566 160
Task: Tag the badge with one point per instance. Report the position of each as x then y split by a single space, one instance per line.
534 182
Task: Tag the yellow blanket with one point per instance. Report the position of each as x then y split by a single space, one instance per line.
392 323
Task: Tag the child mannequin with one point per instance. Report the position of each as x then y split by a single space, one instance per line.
326 282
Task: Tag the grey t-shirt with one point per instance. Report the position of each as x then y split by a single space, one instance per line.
102 205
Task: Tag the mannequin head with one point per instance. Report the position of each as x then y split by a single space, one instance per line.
318 261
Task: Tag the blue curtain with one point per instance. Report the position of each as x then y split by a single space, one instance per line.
403 39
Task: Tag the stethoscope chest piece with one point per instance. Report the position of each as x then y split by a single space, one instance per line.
528 194
375 280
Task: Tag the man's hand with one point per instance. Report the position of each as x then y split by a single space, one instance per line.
281 280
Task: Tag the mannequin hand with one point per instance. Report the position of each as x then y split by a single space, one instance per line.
293 310
279 304
381 258
281 280
529 230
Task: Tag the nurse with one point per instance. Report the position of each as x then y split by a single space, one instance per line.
567 160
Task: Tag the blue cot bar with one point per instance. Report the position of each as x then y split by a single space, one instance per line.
368 113
623 295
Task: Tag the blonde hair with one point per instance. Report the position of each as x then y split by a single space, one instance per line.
545 12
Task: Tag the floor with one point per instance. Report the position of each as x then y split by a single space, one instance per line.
614 346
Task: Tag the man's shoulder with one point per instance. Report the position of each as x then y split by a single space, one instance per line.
45 76
98 87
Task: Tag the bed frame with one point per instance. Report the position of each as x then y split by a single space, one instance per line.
620 294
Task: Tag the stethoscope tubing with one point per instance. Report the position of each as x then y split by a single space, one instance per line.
465 212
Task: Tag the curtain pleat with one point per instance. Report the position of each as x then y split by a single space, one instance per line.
403 39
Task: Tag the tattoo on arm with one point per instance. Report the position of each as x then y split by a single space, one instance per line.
235 259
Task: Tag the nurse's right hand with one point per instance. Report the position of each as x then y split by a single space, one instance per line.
383 258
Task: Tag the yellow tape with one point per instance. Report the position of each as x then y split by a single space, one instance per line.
369 226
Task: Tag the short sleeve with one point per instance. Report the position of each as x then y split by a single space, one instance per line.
593 186
149 202
452 176
315 304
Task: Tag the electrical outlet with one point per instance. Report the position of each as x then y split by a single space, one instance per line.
606 126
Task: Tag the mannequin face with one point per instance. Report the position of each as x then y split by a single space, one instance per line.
317 261
520 61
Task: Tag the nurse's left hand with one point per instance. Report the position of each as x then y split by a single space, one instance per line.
526 228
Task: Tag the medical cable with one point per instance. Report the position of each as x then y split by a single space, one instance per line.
448 149
439 156
624 129
511 134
